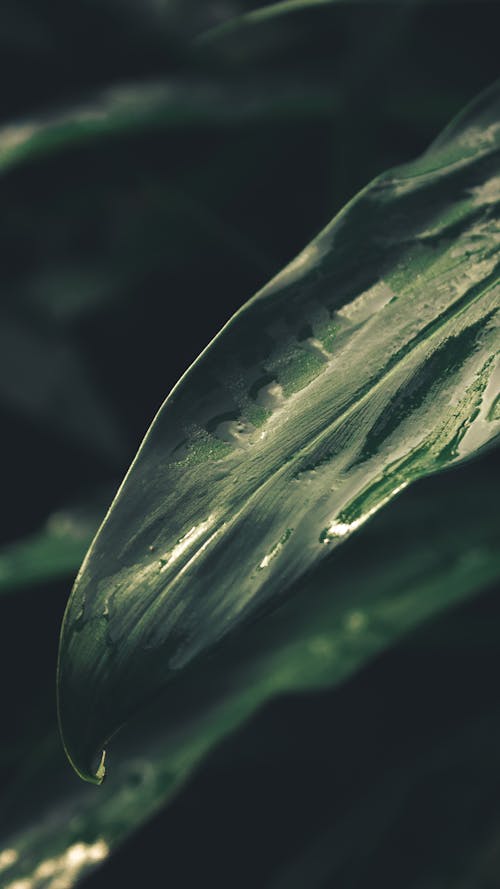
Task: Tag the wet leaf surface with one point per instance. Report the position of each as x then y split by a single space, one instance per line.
369 362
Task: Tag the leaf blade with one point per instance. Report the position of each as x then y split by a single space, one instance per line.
324 396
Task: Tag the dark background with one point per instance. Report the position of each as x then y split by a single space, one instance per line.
120 259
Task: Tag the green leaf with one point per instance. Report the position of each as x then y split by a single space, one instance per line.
272 11
55 551
260 15
98 153
139 107
369 362
435 546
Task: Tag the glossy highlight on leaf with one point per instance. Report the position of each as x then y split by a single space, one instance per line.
369 362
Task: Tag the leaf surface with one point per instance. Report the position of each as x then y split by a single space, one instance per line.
369 362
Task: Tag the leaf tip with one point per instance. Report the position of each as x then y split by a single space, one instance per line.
101 769
95 774
88 766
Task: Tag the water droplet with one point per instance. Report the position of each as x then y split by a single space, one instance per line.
271 395
315 347
234 432
367 304
101 768
337 530
276 549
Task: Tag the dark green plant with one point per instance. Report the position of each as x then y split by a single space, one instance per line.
366 367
